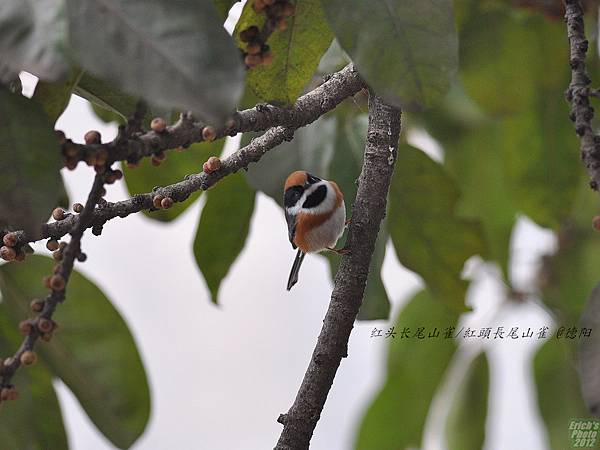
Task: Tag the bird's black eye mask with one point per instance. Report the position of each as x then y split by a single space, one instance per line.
292 195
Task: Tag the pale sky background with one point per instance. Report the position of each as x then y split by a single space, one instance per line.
220 376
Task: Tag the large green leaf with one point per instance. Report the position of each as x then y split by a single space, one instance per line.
396 419
310 150
30 182
558 391
92 352
32 35
223 228
476 160
465 426
35 420
297 52
175 54
173 169
54 96
428 235
515 53
406 51
542 170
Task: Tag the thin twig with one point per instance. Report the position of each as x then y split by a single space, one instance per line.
350 281
56 296
578 92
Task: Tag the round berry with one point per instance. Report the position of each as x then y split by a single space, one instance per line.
52 244
254 48
28 358
209 133
58 214
258 6
166 202
92 137
7 253
249 33
81 257
45 325
212 164
156 201
57 282
10 239
77 207
37 305
25 327
252 60
158 125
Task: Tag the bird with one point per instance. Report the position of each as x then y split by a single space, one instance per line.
315 213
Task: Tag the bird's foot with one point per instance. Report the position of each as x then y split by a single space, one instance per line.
340 251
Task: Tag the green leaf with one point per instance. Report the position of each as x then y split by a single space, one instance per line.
223 7
297 52
558 391
428 235
415 369
406 51
32 36
516 53
35 419
310 150
344 169
223 228
30 160
176 55
475 160
92 352
542 172
54 96
173 169
465 426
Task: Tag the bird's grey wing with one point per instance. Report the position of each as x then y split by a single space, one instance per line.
291 223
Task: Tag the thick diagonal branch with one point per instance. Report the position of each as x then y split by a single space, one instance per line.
578 92
351 278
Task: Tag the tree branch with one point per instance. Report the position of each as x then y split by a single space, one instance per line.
350 281
186 131
307 109
578 92
43 324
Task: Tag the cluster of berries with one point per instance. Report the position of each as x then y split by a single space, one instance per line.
12 250
257 51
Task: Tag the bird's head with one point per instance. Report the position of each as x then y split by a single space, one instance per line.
296 184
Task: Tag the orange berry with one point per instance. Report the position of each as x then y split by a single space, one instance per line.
252 60
253 48
92 137
158 125
156 201
77 207
166 202
58 214
57 282
10 239
7 253
25 327
209 133
52 244
37 305
28 358
45 325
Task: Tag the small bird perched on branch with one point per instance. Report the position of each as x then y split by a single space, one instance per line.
316 216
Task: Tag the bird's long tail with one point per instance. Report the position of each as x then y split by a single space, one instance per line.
293 279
